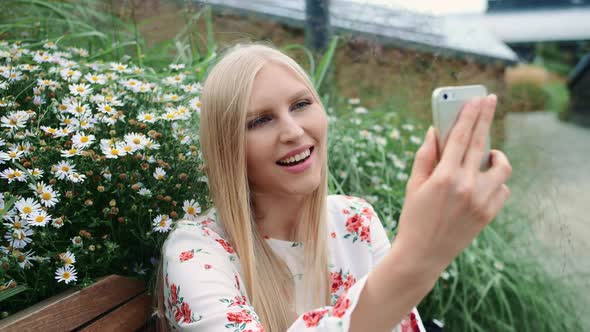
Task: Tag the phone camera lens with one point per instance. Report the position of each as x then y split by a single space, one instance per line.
445 96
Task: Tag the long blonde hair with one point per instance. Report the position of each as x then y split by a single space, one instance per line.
267 279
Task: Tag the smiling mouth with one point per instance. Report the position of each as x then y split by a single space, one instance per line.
295 160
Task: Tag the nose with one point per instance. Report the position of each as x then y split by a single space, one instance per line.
290 130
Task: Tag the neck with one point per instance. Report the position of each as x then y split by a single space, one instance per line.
277 216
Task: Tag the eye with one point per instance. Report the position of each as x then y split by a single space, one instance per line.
258 121
301 104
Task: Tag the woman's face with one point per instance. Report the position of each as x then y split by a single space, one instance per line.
286 134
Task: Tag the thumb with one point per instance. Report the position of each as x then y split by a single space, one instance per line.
424 163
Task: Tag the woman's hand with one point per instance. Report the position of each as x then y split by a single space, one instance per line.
449 203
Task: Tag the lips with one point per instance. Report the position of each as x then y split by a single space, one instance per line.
295 152
296 159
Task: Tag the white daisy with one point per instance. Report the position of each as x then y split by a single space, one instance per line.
131 84
27 206
67 258
25 259
112 152
159 173
63 169
145 192
45 193
66 274
178 66
15 120
19 237
95 78
80 89
82 141
12 175
136 140
408 127
119 67
195 104
77 241
10 155
161 223
146 117
38 218
107 109
70 75
70 152
76 177
191 209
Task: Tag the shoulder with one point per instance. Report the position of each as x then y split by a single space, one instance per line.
202 234
351 218
346 205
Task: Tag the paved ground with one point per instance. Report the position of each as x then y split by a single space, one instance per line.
551 169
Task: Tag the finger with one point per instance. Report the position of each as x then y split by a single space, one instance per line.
477 146
497 201
424 162
460 135
500 169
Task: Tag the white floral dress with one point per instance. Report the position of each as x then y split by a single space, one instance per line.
203 284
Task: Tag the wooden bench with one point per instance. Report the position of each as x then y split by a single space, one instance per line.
114 303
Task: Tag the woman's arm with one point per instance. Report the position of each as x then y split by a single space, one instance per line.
447 205
392 289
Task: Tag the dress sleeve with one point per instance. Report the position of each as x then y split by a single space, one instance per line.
202 287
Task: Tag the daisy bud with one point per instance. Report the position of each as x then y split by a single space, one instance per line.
142 126
183 176
159 197
100 188
158 136
112 132
167 198
112 203
89 173
151 133
138 156
123 176
121 220
85 233
91 247
145 166
27 164
69 194
135 187
132 122
53 181
177 186
88 202
173 214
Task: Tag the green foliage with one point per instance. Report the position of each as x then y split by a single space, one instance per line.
524 97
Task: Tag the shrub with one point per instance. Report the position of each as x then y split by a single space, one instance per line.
524 97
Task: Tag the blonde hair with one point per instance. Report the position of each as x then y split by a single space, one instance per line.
267 279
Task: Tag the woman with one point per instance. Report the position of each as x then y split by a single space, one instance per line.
277 253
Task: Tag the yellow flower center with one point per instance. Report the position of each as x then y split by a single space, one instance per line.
190 210
46 196
84 139
27 209
39 219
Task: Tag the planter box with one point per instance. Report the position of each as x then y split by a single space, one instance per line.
114 303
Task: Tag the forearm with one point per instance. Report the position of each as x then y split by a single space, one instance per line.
393 288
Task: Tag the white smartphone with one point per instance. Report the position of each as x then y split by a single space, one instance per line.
447 103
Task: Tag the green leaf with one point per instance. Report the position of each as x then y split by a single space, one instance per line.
10 292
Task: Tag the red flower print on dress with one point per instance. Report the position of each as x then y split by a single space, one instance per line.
174 293
239 317
345 211
312 318
366 234
207 266
178 315
368 213
186 312
350 281
354 223
225 246
333 235
341 306
336 281
239 301
186 255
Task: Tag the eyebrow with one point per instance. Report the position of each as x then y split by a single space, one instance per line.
294 97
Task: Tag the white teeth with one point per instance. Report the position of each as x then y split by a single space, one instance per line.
297 157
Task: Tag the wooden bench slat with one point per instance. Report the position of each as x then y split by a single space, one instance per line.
72 309
129 317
